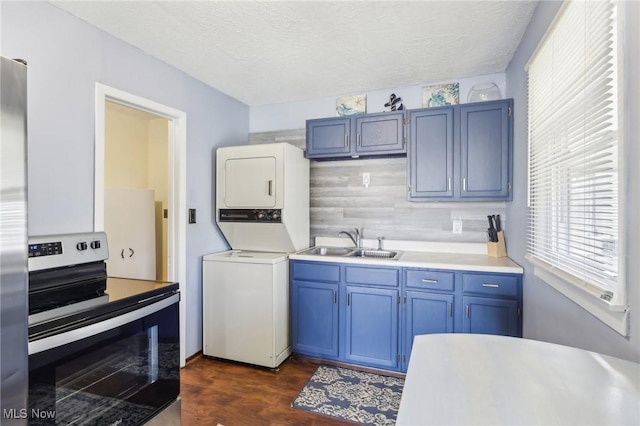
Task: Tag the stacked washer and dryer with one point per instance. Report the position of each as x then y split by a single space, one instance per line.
262 208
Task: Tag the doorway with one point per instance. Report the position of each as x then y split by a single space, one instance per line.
136 180
119 184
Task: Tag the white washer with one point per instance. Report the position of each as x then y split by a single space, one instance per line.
246 307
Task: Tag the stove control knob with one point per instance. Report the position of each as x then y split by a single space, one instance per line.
261 215
275 215
95 244
81 246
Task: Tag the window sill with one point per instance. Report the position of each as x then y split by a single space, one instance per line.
614 315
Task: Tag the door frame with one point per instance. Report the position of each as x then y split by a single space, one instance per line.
177 206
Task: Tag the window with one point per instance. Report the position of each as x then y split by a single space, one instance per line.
575 142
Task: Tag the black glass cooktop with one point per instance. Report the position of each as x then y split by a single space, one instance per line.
121 295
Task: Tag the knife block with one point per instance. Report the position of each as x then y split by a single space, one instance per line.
498 249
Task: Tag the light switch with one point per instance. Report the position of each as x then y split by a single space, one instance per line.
192 215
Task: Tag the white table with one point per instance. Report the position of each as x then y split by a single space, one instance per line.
474 379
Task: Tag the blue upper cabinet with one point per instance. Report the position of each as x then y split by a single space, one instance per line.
354 136
431 153
485 150
380 133
461 152
328 137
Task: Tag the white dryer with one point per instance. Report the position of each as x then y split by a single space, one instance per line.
262 197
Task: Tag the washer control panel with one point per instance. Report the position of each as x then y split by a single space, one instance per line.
250 215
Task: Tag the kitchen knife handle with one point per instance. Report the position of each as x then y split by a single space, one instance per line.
498 224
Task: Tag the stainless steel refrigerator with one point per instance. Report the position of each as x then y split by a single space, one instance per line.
14 357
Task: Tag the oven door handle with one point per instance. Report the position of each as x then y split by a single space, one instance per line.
80 333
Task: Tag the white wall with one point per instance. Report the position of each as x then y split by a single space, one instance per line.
66 58
293 115
548 315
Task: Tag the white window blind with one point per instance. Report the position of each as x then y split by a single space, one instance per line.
574 140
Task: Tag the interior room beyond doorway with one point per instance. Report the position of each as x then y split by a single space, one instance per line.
136 179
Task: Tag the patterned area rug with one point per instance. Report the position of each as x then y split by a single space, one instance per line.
351 395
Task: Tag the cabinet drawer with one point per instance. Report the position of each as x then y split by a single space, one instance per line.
315 271
489 284
375 276
428 279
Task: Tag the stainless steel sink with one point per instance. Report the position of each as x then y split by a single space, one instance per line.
328 251
353 252
379 254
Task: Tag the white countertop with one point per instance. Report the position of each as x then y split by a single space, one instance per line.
475 379
450 256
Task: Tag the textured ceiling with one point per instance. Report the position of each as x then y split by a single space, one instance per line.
266 52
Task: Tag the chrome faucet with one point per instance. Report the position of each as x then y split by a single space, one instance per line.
356 239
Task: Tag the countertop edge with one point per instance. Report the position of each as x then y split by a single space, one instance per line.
455 266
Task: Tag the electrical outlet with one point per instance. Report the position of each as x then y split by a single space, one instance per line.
457 226
366 179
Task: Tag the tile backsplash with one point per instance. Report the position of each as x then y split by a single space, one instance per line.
339 201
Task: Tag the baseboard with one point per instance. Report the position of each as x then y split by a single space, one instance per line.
347 365
193 357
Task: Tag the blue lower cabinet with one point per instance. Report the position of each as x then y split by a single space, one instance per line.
372 326
314 318
425 313
486 315
353 313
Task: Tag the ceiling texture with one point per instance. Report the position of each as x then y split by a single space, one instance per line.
269 52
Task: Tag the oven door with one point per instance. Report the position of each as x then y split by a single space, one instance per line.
122 370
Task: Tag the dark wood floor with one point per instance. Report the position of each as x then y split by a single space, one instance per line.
222 392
